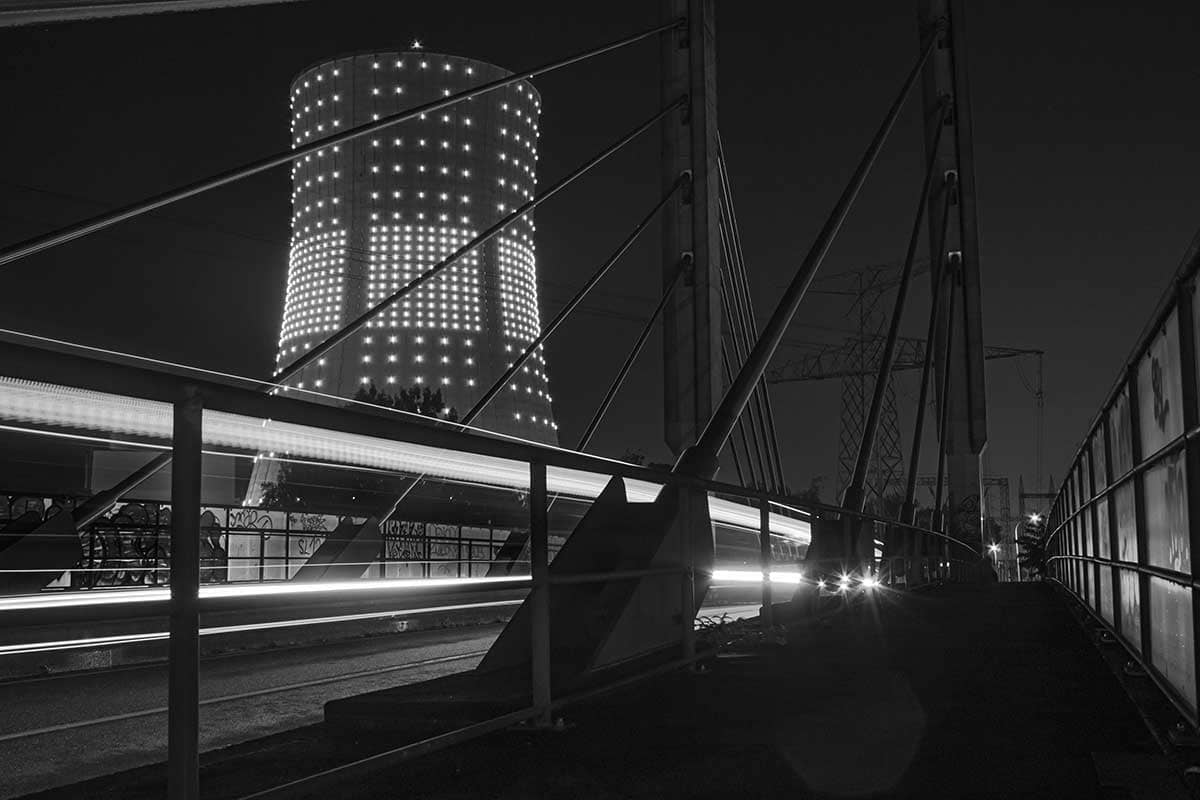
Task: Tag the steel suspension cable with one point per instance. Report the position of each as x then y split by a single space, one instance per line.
684 265
761 397
741 428
95 508
909 510
106 220
701 458
754 422
944 399
411 483
743 337
545 333
351 327
855 496
743 286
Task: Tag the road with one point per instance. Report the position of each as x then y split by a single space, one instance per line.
61 729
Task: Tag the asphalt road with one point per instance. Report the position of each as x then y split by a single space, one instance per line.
62 729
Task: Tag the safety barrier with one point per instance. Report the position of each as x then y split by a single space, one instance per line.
1125 523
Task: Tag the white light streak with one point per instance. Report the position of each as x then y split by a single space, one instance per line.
41 404
754 576
135 638
282 589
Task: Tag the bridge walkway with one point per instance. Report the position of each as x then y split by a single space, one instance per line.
964 691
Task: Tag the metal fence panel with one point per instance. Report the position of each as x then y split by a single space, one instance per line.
1171 645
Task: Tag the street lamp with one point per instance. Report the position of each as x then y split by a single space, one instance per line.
994 549
1033 518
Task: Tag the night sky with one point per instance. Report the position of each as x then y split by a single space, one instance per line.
1085 135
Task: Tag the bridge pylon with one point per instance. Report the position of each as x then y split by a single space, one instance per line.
944 80
692 367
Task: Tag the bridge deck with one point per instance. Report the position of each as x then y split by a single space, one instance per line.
962 692
967 691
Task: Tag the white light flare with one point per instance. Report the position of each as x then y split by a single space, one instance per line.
38 404
118 596
754 576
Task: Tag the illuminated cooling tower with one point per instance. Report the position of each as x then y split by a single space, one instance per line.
370 214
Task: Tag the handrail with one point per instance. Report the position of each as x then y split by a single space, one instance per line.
33 361
1135 655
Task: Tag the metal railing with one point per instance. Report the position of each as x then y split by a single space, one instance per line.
1123 533
195 395
129 545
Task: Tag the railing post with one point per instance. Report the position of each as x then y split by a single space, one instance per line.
687 579
1189 364
183 665
921 557
764 553
1139 508
539 556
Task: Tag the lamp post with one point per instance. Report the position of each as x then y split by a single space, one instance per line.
994 549
1017 549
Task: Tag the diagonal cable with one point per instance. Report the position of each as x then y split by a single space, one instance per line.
102 221
349 328
545 333
742 284
685 264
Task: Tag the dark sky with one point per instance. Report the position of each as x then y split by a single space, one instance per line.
1085 133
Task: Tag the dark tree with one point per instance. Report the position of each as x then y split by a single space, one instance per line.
416 399
1031 546
813 493
281 493
303 486
632 456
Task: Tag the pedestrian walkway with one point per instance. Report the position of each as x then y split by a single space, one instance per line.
984 691
980 691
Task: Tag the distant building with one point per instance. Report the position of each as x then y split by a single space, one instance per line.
370 214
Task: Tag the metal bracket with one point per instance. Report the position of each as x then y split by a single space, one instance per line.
942 31
951 177
689 273
948 119
556 725
1183 735
689 190
1133 669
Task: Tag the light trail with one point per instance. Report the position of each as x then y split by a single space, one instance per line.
27 648
734 611
94 597
42 404
755 576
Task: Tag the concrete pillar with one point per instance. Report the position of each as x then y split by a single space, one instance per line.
692 318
